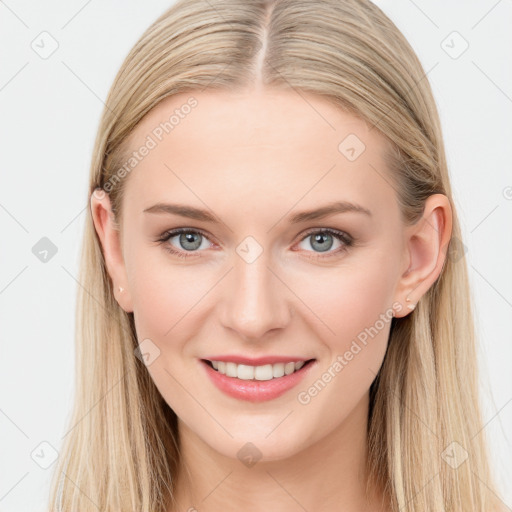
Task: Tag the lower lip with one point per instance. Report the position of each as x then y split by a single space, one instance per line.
256 390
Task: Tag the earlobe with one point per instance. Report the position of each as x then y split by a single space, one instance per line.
108 232
426 243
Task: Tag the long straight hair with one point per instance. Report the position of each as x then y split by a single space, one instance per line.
121 450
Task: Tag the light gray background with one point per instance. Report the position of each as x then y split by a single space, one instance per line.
50 113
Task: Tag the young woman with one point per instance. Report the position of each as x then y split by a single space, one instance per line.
274 311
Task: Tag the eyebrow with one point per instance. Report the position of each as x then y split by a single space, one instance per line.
304 216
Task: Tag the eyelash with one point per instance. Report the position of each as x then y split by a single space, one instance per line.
346 239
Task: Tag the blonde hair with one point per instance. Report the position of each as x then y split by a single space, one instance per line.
121 451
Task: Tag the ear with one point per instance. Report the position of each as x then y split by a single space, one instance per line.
426 245
109 235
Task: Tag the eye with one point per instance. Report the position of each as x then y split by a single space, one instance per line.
190 241
322 240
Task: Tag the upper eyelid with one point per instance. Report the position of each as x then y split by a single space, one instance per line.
171 233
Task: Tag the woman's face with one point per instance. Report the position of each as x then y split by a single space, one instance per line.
260 280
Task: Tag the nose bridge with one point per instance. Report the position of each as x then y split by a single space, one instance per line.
255 300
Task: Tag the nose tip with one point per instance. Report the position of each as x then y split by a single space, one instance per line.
256 302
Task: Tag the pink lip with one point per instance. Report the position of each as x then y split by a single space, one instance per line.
256 361
256 390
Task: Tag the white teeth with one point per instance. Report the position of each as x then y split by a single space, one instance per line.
278 370
264 372
245 372
231 370
289 368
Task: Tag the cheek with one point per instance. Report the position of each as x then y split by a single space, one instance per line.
352 315
166 298
352 297
164 293
356 321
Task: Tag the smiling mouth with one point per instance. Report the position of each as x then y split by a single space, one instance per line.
257 373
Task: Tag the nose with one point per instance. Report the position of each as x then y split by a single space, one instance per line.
255 300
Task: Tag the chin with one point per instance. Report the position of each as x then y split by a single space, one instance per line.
250 447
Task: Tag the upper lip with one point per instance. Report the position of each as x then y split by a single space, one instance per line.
256 361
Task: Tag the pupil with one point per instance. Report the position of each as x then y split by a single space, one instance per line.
320 238
188 238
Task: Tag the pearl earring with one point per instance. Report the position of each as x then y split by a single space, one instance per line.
121 289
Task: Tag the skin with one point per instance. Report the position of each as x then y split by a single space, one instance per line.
252 159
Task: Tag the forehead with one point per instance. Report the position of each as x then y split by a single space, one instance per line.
240 149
